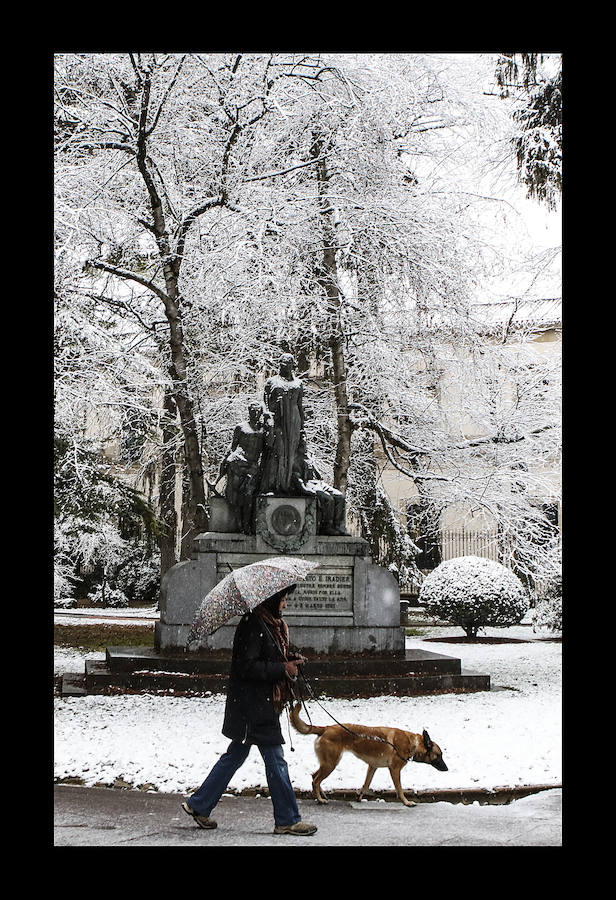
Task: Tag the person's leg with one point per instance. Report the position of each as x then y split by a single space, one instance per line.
286 811
207 796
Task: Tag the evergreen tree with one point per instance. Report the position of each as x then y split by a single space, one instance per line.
538 138
102 525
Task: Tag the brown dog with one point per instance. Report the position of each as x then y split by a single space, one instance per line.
377 747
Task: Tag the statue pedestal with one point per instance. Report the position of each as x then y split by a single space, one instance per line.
347 605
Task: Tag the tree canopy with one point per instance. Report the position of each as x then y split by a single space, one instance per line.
213 210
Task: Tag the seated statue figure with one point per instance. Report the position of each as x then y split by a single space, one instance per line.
242 465
330 501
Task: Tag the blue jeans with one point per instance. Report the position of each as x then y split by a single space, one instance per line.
207 796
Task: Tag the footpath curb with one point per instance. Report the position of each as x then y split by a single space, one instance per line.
496 796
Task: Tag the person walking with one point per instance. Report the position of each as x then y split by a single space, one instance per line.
262 668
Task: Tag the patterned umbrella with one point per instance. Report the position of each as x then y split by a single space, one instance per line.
244 588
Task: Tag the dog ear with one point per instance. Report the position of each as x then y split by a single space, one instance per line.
426 739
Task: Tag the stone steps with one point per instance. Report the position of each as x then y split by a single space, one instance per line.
73 684
144 669
128 659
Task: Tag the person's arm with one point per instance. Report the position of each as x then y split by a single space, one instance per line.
292 664
249 662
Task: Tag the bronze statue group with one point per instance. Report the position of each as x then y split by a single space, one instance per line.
269 455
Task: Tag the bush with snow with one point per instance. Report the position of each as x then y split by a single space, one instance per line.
107 596
549 614
549 608
548 611
473 593
64 602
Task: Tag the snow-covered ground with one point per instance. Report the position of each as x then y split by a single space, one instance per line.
139 616
507 737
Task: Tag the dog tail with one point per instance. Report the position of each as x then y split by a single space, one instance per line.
301 726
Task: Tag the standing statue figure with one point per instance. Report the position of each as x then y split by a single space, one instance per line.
242 464
283 397
331 504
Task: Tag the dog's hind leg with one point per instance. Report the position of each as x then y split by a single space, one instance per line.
367 782
394 771
317 778
329 757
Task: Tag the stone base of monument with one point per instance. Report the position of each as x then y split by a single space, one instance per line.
347 605
146 669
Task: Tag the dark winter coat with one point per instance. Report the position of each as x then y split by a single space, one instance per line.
257 664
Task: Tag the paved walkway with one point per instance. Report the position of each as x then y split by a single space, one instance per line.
105 817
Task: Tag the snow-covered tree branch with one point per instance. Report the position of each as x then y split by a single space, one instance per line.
213 210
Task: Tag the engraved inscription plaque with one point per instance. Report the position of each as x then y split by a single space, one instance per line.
324 592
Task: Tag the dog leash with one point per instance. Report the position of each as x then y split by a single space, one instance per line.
370 737
275 643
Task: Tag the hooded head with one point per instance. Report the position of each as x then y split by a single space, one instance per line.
273 603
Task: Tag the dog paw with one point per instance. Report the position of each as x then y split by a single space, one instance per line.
409 803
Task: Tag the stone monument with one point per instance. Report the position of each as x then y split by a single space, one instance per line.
345 616
275 502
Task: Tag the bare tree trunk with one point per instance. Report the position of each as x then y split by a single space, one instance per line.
188 534
168 539
345 431
328 279
172 302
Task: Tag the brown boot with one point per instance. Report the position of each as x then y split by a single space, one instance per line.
202 821
301 828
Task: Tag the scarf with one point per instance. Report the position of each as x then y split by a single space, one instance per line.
282 692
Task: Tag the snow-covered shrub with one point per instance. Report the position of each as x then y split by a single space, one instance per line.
62 602
548 611
473 592
62 585
63 570
107 596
